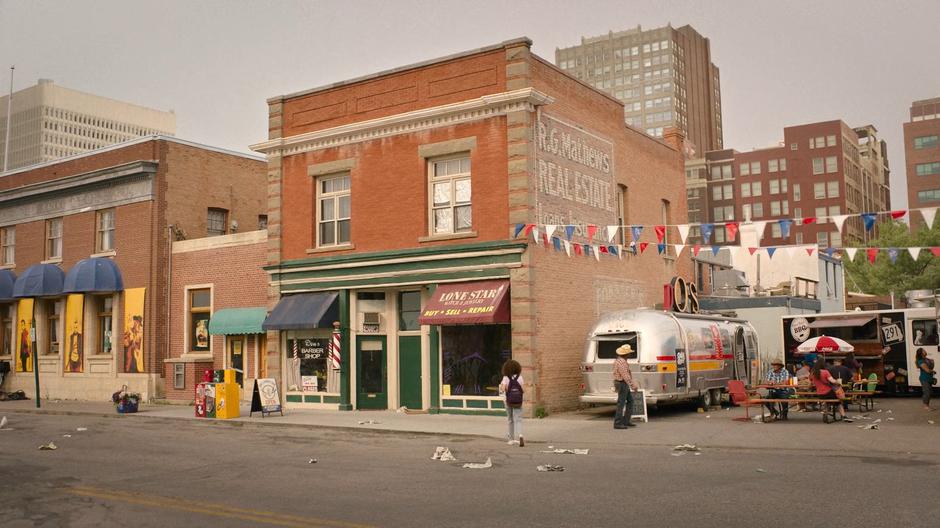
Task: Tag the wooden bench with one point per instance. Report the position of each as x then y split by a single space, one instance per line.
864 399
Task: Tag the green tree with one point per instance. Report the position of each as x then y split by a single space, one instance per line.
905 273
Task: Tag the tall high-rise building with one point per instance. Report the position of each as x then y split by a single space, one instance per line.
922 155
819 171
664 76
49 122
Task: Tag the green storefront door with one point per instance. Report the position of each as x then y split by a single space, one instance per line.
409 371
371 373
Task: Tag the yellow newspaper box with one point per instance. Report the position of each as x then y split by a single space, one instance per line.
226 401
229 376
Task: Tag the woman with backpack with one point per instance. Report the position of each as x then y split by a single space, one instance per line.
511 388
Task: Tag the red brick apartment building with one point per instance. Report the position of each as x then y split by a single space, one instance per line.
85 256
393 200
922 155
820 170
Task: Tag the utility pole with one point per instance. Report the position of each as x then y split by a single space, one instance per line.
6 142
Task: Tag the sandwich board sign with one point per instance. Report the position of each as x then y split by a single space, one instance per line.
639 406
265 398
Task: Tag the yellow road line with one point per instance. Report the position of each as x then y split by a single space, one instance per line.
208 508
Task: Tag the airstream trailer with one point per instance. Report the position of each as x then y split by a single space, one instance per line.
678 356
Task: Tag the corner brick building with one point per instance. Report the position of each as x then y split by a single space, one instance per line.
85 249
922 156
393 205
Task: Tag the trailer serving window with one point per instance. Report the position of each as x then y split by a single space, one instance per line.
607 345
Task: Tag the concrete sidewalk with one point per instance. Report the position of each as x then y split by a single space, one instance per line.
907 430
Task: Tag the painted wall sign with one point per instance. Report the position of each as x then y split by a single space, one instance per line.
684 296
799 329
575 182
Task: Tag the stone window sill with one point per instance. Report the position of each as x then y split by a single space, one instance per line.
8 266
449 236
104 254
57 260
328 249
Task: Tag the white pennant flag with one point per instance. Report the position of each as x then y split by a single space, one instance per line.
620 251
914 251
839 221
759 229
597 253
680 247
549 231
929 213
611 232
535 235
851 253
683 233
567 247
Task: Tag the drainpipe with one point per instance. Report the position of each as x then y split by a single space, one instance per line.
169 286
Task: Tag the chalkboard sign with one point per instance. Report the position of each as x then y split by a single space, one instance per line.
265 398
682 368
639 406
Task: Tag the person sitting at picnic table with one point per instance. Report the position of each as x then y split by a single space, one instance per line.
854 365
842 374
802 380
827 387
777 375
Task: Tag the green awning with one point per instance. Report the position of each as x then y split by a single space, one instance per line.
237 321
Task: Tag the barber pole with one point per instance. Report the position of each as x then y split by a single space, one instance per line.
335 350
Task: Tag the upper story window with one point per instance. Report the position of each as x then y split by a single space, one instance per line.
262 222
54 238
334 211
105 233
200 310
450 195
8 245
924 142
216 222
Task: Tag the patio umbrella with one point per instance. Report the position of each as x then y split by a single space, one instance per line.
824 344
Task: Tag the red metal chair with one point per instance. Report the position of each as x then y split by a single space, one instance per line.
741 396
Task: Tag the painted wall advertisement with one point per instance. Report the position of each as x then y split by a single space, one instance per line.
574 178
74 354
133 339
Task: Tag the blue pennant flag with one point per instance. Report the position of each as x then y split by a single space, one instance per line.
661 248
869 219
587 250
771 251
830 251
893 254
785 227
557 243
569 232
519 228
707 230
613 250
636 232
715 250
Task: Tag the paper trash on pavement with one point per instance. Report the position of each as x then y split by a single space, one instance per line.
476 465
80 429
368 422
568 451
443 454
3 422
867 427
48 447
550 467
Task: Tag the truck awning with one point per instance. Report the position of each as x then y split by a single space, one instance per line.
468 303
842 322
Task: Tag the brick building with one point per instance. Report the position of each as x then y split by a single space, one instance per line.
819 171
85 246
922 156
216 311
393 201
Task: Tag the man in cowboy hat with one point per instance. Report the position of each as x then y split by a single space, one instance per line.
623 381
779 376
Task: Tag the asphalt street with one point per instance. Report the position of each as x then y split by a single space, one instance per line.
142 472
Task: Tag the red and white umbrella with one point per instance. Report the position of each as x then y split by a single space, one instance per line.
824 344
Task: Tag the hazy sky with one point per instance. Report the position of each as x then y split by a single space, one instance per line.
215 63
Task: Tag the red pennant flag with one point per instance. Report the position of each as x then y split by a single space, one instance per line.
545 239
528 229
660 232
732 228
752 250
577 249
898 214
695 249
644 245
872 253
809 251
935 251
592 230
603 249
810 220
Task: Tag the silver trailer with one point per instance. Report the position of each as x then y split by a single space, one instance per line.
678 357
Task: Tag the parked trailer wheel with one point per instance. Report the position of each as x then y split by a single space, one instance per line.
705 399
716 397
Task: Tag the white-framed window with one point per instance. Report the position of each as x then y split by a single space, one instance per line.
775 231
819 190
820 212
822 239
772 165
746 212
774 208
786 207
105 307
832 189
716 192
199 305
726 172
756 189
835 210
451 210
745 169
796 192
758 210
832 165
835 239
783 163
104 237
755 167
334 210
818 166
8 245
830 141
745 190
774 187
783 185
53 238
799 238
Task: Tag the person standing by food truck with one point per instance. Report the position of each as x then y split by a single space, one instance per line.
623 382
925 367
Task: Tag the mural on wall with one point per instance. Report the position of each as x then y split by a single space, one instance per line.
24 348
75 353
134 330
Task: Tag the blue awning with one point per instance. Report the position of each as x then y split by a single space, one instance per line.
303 311
7 278
39 280
93 275
237 321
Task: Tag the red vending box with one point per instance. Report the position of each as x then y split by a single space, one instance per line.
200 400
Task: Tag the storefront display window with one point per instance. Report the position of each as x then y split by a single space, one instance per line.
472 357
199 313
105 310
308 369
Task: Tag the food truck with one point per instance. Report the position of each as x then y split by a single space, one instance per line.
885 341
677 356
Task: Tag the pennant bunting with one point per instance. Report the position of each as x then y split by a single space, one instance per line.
872 254
695 249
732 228
915 252
809 220
785 227
602 249
935 251
596 252
528 229
567 247
771 251
850 252
893 254
752 250
636 230
550 230
707 230
830 251
620 251
535 235
661 248
683 232
869 219
715 250
643 246
809 251
577 250
556 242
611 232
633 247
898 214
759 229
569 232
660 233
592 230
679 248
612 250
839 221
519 228
929 213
